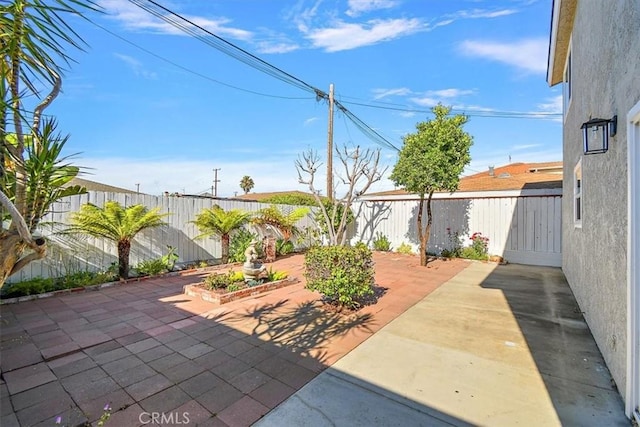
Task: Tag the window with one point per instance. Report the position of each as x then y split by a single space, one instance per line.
577 195
566 86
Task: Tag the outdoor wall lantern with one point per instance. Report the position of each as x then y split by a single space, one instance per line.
596 133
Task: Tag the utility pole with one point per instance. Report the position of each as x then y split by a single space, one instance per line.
330 147
214 188
138 188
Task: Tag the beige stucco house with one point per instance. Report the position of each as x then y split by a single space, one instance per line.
594 54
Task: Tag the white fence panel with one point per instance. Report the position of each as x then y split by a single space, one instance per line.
522 229
67 254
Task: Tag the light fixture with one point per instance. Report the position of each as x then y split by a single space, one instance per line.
596 133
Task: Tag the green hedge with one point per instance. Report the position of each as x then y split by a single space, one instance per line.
342 274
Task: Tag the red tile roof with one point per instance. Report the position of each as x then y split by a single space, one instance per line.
514 176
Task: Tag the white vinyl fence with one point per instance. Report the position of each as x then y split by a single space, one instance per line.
523 227
68 254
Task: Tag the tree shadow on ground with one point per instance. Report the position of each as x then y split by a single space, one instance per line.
302 328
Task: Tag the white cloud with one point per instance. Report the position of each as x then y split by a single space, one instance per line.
450 93
136 18
345 36
445 96
529 55
269 47
425 101
310 120
357 7
482 13
384 93
137 66
553 105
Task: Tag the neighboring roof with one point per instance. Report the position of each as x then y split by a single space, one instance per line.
256 197
97 186
515 176
561 27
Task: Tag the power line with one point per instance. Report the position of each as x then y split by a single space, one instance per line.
479 113
223 45
366 129
253 61
189 70
391 106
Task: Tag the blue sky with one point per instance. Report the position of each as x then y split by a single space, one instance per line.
151 105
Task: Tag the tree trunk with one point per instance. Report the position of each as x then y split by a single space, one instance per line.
424 243
11 249
225 247
423 234
124 247
423 255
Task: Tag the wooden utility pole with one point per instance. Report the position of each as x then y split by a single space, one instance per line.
330 147
214 188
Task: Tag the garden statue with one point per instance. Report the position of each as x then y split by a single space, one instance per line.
269 248
252 269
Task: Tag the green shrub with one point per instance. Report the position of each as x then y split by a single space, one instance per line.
273 275
341 274
381 243
330 206
240 242
224 280
85 278
405 249
470 253
170 258
216 281
39 285
478 249
455 243
292 199
232 287
235 276
152 267
446 253
284 247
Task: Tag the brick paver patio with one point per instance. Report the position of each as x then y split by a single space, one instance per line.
148 350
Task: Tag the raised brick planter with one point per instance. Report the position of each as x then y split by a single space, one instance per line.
198 290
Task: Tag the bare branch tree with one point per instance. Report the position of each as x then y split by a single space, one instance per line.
360 169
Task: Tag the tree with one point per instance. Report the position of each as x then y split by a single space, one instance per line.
246 183
285 224
218 222
33 176
360 171
430 160
117 224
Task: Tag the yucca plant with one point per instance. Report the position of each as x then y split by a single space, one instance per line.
33 40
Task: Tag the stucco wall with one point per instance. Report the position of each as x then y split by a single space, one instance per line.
605 51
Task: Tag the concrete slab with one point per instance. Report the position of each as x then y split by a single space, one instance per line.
337 399
495 345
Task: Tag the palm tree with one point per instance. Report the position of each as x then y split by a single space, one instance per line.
284 223
32 57
246 183
218 222
117 224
